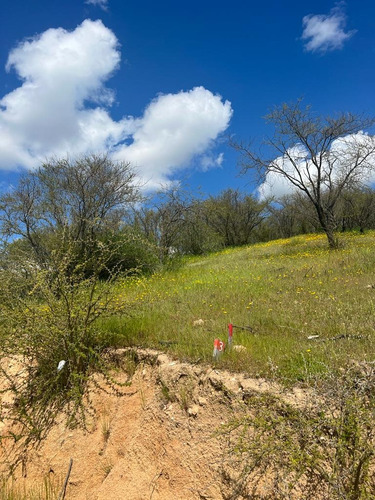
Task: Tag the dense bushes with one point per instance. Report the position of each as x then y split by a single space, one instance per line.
50 329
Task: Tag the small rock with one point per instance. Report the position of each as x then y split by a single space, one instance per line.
198 322
223 383
215 381
250 385
162 359
202 401
232 385
193 411
239 348
61 365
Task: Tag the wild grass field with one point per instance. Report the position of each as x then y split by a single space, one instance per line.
285 290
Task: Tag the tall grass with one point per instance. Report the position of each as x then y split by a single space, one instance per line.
48 489
284 290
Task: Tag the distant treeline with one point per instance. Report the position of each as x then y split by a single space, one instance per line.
82 207
180 222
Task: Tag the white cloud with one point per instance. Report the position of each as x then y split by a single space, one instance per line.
46 115
276 184
103 4
174 129
208 161
343 155
61 108
324 33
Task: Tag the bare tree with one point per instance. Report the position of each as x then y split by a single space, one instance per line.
320 156
357 209
234 216
163 221
291 215
80 198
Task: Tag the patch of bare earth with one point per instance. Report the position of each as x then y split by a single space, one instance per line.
157 441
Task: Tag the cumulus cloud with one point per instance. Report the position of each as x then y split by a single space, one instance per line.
326 32
62 107
343 155
174 129
103 4
275 186
61 73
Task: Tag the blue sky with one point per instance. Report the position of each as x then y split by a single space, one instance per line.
162 84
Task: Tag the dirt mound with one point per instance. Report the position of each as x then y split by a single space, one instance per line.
159 440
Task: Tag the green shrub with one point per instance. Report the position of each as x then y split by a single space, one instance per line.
50 329
131 252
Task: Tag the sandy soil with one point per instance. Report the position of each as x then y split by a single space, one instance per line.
158 441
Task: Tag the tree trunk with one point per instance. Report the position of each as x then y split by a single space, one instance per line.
332 240
328 224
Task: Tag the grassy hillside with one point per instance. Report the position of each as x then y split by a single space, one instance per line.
320 443
285 290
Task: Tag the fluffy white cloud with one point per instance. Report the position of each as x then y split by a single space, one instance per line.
61 72
343 156
103 4
61 108
174 128
325 32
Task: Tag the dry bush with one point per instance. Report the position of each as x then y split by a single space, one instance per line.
325 449
49 327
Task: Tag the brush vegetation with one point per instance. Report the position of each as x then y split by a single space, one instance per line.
282 292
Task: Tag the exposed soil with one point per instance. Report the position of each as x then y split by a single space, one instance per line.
160 440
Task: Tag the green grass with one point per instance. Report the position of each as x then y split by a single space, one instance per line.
285 290
47 489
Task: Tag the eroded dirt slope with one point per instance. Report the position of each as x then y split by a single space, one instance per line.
160 440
